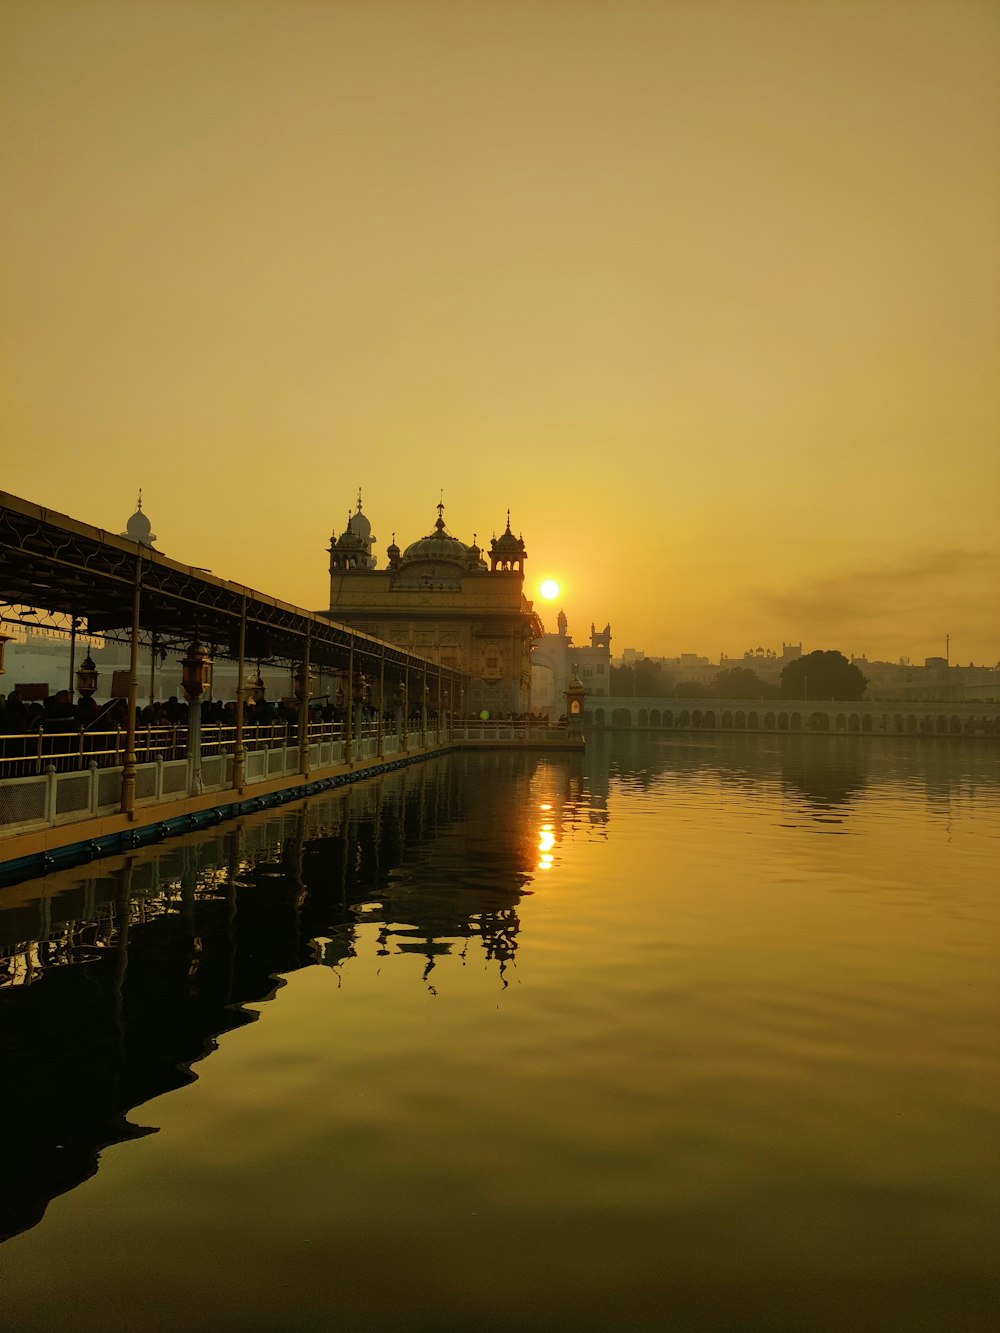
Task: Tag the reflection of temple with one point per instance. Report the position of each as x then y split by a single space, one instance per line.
440 598
115 985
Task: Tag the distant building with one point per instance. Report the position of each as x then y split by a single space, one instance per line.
556 658
440 598
935 681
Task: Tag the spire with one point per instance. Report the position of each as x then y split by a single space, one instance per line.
359 499
440 518
138 503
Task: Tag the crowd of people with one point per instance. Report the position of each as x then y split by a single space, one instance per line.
59 713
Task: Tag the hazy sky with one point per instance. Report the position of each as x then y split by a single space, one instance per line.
708 293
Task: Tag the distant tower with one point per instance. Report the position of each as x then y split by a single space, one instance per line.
139 529
348 551
562 623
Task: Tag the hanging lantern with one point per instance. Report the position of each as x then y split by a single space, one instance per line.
360 687
303 682
338 698
4 640
255 690
196 671
86 677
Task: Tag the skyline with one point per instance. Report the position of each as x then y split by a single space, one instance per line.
708 296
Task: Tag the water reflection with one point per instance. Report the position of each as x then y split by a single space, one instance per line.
830 776
116 982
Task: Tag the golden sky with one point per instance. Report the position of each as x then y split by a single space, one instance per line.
708 293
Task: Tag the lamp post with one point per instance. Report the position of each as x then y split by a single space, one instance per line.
381 705
349 701
406 708
74 625
360 686
239 748
86 678
303 693
398 715
196 677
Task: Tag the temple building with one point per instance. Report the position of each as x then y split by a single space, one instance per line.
557 659
450 602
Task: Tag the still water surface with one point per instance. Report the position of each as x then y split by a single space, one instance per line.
688 1035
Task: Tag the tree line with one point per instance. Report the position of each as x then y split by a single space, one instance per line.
823 674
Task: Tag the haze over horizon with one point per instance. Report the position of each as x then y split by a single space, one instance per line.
707 294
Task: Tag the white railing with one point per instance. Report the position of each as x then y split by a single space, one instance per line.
508 731
67 781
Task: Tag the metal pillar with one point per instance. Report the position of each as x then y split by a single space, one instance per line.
381 704
72 656
239 749
194 746
349 705
304 697
152 669
423 709
127 806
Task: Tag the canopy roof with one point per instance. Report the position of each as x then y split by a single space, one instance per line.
66 568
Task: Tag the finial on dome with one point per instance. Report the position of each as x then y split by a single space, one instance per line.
359 499
440 518
139 529
508 519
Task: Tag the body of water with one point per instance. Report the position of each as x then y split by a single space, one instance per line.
685 1034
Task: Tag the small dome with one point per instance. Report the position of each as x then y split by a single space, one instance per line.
138 528
360 526
507 545
350 541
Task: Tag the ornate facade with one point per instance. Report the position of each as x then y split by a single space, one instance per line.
440 598
557 659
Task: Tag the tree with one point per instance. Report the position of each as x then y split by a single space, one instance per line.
822 675
740 683
642 679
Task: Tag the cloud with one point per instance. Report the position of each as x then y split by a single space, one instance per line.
927 589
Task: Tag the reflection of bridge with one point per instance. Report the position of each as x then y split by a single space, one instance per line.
784 715
116 979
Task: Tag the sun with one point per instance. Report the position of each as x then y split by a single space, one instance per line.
549 590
